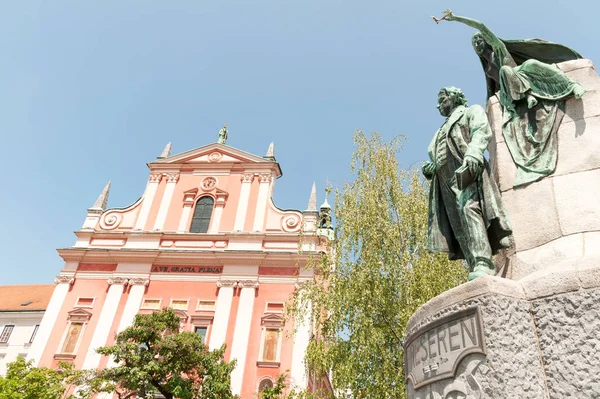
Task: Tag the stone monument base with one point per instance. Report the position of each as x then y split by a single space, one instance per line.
538 337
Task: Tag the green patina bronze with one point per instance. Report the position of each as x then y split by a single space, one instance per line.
223 135
466 216
531 90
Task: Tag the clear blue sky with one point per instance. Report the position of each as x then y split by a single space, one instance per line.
92 90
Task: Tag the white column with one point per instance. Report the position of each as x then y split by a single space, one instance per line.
52 310
240 216
222 310
261 204
105 321
134 300
299 377
149 194
216 216
132 306
185 217
172 179
243 321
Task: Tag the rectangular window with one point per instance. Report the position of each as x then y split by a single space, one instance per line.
85 303
201 331
270 345
70 342
8 329
205 305
151 304
274 307
179 304
35 330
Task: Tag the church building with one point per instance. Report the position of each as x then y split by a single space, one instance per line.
206 240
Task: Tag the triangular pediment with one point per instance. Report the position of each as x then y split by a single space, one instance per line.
272 320
79 315
213 153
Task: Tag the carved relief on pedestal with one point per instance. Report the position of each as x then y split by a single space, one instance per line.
155 177
247 178
435 356
209 183
464 385
64 280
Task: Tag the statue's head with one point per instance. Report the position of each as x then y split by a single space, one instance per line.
449 98
479 43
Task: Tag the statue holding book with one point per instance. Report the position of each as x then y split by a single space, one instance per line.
466 216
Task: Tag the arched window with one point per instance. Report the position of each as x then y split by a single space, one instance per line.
266 382
202 214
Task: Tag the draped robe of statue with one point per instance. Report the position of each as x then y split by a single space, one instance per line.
526 67
454 215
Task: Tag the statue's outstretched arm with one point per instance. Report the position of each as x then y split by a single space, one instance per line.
487 34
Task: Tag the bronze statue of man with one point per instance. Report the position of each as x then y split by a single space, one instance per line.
466 216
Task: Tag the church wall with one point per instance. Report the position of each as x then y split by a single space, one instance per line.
81 288
266 293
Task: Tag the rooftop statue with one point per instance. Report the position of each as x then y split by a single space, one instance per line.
223 135
531 90
466 216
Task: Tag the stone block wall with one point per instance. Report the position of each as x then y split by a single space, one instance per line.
557 218
541 337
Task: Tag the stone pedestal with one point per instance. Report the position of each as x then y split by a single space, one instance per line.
539 339
533 331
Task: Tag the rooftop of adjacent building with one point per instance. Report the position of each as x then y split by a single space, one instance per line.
25 298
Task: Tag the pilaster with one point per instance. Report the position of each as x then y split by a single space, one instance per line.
188 204
298 374
243 320
222 309
105 321
240 216
265 180
132 306
153 181
172 179
63 283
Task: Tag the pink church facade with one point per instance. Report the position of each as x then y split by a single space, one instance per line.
205 239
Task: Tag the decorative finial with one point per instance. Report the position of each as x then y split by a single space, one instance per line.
223 135
166 153
312 200
325 204
102 200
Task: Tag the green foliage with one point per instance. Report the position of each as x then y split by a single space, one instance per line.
374 276
275 392
153 356
23 381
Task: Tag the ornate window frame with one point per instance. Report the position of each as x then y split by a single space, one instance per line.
74 316
271 322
